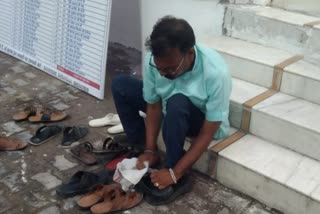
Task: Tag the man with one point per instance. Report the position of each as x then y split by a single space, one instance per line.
185 90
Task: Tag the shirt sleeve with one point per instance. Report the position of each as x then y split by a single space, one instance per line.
219 89
149 83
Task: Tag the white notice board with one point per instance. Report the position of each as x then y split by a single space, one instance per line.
65 38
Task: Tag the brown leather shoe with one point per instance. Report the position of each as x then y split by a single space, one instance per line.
7 144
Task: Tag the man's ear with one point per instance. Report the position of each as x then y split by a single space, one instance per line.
191 52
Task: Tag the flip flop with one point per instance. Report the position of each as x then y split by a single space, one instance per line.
44 134
97 195
73 134
117 200
115 129
27 112
47 115
7 144
109 119
82 153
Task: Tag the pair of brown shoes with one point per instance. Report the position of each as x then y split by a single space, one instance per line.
110 198
39 115
7 144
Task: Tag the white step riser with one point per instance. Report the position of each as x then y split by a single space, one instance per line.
286 134
235 114
271 193
301 87
249 71
262 75
248 26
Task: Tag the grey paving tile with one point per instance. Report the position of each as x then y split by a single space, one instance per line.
12 182
61 106
4 203
67 96
62 163
236 203
50 210
257 209
20 68
30 75
20 82
9 90
48 180
11 128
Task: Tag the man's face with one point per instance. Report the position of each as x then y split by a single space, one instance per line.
174 63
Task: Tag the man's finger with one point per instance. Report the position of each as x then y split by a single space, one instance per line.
140 165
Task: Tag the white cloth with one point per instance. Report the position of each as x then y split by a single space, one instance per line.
127 173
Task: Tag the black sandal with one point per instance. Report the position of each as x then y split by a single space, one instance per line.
44 134
73 134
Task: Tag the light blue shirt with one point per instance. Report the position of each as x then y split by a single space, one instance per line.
208 86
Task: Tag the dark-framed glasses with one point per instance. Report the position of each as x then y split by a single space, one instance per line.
170 69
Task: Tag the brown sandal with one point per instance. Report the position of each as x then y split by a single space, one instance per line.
117 200
47 115
82 153
97 196
27 112
7 144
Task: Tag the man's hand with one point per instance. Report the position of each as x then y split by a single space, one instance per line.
161 178
152 158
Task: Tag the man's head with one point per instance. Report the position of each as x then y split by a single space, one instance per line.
172 46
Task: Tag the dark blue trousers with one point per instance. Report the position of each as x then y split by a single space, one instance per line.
181 120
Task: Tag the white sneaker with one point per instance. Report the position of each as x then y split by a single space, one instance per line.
109 119
115 129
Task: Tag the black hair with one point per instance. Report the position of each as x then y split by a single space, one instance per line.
170 32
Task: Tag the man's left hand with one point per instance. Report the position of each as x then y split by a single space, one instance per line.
161 178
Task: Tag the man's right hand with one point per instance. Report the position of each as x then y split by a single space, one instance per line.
151 158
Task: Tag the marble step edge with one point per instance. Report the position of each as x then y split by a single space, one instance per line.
278 14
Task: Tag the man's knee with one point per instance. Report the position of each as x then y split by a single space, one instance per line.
178 103
118 82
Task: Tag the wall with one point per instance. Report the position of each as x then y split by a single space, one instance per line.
205 16
125 27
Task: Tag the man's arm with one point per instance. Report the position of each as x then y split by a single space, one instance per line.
198 146
153 123
163 178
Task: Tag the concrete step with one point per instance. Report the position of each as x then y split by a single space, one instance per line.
242 91
311 7
247 61
256 64
250 2
290 122
302 79
273 27
281 178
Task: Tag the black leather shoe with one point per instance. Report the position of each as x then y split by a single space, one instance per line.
171 193
147 187
83 182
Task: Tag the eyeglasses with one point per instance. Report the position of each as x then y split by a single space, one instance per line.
171 69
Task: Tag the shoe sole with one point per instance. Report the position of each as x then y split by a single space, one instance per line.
170 199
38 144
